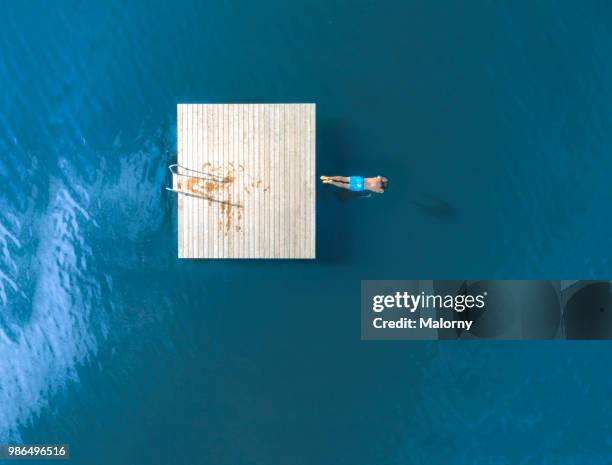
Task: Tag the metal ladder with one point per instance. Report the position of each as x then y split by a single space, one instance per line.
176 169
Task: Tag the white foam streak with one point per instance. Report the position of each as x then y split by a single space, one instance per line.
58 337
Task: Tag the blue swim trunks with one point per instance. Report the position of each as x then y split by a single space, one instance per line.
356 183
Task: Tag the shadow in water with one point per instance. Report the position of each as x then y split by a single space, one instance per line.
435 207
334 194
333 230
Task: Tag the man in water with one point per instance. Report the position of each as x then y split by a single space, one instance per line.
358 183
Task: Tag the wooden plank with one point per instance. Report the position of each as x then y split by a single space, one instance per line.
312 118
202 206
255 194
176 181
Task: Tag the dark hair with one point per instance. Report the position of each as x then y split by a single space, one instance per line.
384 182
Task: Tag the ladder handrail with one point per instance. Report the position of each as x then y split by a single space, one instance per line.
174 169
212 199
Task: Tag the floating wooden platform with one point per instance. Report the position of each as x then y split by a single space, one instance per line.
255 194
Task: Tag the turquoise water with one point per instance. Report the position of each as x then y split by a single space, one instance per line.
491 120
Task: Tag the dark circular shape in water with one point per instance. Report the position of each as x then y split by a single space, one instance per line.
588 313
497 316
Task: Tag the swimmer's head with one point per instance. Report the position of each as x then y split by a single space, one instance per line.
384 182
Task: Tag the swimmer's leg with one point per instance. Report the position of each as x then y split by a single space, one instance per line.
335 178
342 185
